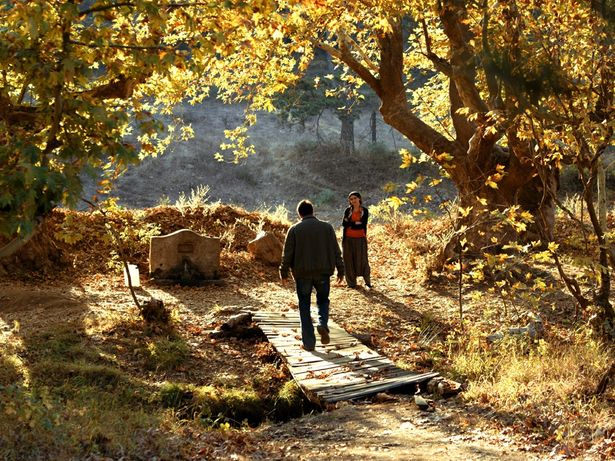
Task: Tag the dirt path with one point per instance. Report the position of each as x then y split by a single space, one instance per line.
394 430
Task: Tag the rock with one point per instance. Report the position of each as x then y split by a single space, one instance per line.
534 329
443 387
598 434
237 326
422 403
153 310
383 397
240 332
266 247
242 319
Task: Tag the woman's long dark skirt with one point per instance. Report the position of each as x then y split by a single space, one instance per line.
355 260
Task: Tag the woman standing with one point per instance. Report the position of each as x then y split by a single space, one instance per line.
354 241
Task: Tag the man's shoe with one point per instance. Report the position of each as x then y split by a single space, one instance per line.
307 348
324 334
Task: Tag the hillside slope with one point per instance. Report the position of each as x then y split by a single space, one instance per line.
291 163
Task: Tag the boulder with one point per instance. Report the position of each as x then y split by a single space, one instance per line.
267 248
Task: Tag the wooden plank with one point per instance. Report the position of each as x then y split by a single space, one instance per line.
337 370
349 379
355 365
357 352
349 363
332 397
369 388
343 369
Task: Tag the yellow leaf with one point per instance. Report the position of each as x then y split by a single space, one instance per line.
411 187
491 130
389 187
407 158
527 216
395 202
444 157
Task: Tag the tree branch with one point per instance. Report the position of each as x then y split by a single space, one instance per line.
395 108
346 57
125 47
58 102
441 64
98 9
349 40
464 129
121 88
14 245
495 98
462 56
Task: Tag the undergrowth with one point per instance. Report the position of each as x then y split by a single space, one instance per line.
546 386
66 395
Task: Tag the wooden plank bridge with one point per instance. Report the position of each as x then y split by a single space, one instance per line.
344 369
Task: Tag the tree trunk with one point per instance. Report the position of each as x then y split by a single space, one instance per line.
347 135
474 157
602 193
372 126
484 230
601 297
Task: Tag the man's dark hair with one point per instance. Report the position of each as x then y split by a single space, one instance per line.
305 208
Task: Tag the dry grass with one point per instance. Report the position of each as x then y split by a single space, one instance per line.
548 386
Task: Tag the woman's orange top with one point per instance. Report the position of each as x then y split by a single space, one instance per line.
355 233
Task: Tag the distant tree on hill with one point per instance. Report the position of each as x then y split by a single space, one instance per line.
322 89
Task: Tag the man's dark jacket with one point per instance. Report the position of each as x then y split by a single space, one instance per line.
311 250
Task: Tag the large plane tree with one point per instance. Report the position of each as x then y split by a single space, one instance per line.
506 81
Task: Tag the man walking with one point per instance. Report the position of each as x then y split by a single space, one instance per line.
312 253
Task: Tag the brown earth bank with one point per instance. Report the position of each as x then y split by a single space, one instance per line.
66 282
